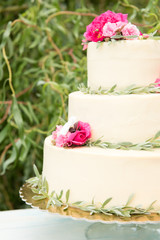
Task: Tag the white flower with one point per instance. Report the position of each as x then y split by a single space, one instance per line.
72 120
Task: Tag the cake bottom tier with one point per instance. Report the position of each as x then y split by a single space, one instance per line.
91 172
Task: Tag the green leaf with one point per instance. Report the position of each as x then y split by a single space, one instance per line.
6 34
13 156
36 171
35 190
37 197
27 113
10 47
60 195
129 200
33 115
150 207
78 203
157 135
17 116
106 202
67 195
4 133
24 151
117 37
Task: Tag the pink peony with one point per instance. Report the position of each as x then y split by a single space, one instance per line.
130 29
158 82
81 133
110 29
94 31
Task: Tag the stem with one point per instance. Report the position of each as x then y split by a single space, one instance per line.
13 8
6 149
69 13
54 46
9 70
6 114
27 24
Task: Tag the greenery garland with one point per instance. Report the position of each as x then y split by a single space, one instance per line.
39 186
147 145
132 89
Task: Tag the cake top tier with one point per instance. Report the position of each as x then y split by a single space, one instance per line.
123 63
119 54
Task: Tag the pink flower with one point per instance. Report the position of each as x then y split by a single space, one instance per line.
81 134
54 133
110 29
77 135
59 140
94 31
130 29
158 82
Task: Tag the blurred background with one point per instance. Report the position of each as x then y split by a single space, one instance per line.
41 62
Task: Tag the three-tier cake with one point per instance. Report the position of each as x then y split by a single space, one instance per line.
95 172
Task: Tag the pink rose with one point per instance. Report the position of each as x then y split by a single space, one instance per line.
81 133
110 29
158 82
130 29
94 31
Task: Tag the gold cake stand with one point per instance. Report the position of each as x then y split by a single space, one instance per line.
26 195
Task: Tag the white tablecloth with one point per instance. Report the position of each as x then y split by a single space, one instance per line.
31 224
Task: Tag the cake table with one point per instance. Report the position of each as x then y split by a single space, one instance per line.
35 224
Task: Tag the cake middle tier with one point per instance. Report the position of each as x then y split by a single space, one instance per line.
133 118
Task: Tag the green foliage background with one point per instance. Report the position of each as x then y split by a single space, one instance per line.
41 62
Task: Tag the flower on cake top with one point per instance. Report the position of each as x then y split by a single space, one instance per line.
130 30
107 25
94 31
110 29
71 134
157 82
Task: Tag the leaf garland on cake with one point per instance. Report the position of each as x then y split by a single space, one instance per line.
147 145
39 186
75 134
132 89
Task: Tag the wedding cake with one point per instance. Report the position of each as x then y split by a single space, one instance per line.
101 152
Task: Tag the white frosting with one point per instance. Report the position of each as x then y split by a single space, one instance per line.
132 118
123 63
99 173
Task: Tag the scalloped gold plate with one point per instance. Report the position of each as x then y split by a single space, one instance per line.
26 195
